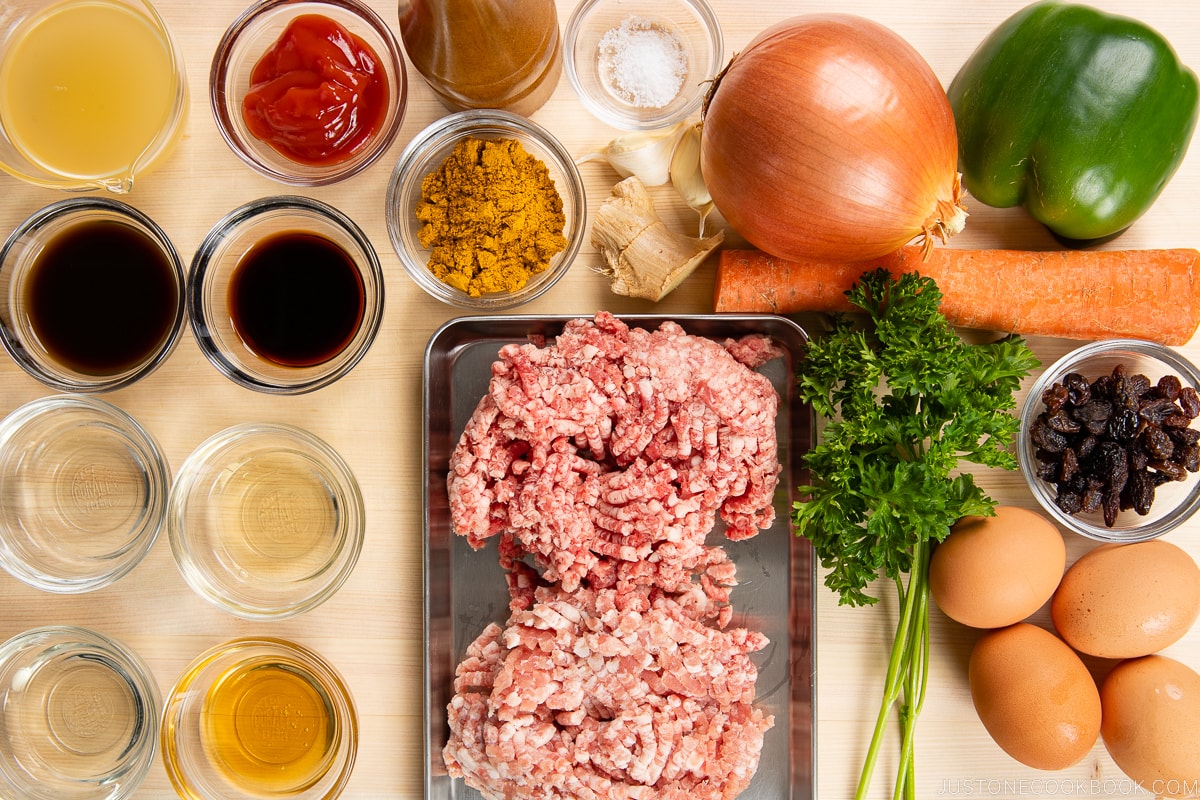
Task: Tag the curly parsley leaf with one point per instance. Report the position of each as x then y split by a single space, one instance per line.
907 401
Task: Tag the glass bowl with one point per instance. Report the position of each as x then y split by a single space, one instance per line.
285 295
426 152
103 115
1174 501
259 717
265 521
92 295
250 37
83 493
80 717
642 64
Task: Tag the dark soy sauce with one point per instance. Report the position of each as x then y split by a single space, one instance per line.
101 297
296 298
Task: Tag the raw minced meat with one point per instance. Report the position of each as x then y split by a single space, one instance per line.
609 453
608 694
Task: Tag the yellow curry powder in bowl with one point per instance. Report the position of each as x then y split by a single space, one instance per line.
485 210
491 217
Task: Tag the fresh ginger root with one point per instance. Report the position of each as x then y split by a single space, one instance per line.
643 257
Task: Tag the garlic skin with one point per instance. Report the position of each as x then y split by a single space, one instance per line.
644 154
643 258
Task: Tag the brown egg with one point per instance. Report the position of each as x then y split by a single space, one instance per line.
993 571
1035 696
1124 601
1151 706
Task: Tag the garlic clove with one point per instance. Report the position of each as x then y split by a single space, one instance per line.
686 175
646 154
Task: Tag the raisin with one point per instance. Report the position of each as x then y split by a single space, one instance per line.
1189 457
1168 387
1062 422
1055 397
1157 443
1171 469
1094 411
1069 466
1157 409
1093 496
1189 402
1111 505
1124 424
1079 391
1047 438
1141 492
1069 502
1112 464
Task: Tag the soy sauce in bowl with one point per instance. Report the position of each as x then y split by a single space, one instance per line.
101 297
296 298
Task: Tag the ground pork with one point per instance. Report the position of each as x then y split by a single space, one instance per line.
609 694
609 453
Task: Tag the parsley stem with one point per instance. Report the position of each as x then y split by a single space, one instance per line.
906 674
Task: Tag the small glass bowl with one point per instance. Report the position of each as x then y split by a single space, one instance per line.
80 716
1174 501
590 72
265 521
65 160
259 717
216 264
244 43
83 493
425 154
69 341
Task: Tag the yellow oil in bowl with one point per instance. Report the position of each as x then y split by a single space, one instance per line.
91 92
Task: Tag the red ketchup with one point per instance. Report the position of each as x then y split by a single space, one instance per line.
318 94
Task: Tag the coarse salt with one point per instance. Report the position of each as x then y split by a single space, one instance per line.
643 62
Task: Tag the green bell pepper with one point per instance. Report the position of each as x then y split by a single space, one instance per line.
1080 116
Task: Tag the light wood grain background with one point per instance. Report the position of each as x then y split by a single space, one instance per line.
371 630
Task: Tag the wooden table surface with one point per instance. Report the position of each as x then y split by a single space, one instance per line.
371 630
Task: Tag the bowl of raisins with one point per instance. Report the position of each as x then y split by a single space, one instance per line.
1110 440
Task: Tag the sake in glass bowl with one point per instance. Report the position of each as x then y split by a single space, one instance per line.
265 521
427 151
92 295
83 493
259 717
1174 501
328 128
642 64
80 717
94 92
285 295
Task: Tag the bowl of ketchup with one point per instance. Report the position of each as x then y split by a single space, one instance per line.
308 93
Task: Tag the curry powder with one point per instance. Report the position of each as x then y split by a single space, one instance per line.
491 217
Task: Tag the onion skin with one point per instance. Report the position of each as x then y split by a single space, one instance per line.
829 136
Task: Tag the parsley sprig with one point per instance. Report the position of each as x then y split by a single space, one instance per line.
906 402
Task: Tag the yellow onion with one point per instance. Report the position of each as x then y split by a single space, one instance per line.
830 137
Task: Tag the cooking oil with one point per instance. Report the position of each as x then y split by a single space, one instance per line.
269 727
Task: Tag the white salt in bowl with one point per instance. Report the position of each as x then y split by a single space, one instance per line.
642 64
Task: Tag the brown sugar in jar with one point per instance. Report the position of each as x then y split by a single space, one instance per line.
485 53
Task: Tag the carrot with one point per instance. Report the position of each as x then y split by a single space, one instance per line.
1074 294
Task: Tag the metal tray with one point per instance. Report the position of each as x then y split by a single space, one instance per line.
465 589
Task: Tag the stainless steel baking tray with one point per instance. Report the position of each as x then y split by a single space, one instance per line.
465 589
